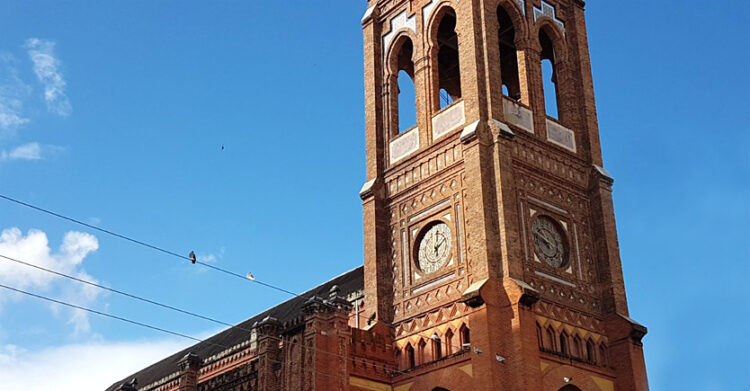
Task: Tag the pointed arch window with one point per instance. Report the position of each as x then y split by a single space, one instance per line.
575 347
603 355
421 351
437 347
449 342
465 337
410 360
564 343
539 335
550 338
590 352
508 55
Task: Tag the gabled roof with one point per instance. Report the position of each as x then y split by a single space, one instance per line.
288 311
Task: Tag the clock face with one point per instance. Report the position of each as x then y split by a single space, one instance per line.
549 241
434 247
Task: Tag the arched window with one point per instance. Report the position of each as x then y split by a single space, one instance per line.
421 351
539 335
437 347
410 361
465 337
449 342
590 353
399 358
575 347
449 72
404 101
508 55
603 355
549 75
564 343
550 338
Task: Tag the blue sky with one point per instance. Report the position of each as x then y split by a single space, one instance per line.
117 113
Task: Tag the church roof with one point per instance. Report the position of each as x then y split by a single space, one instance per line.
349 283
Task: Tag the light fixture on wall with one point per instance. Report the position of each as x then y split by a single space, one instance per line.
567 379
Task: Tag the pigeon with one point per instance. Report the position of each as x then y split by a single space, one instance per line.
192 257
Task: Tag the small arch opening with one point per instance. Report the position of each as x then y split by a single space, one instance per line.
564 343
603 355
437 347
465 337
410 359
508 55
590 353
575 347
539 335
550 338
549 76
449 71
449 342
421 351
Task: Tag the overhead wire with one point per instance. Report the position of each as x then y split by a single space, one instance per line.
147 245
162 250
150 301
137 323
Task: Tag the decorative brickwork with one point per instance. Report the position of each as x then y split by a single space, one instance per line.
490 249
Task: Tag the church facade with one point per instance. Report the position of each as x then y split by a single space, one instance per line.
491 259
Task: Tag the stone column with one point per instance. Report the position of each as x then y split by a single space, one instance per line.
269 354
189 365
327 336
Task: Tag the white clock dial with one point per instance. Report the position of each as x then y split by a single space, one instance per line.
434 247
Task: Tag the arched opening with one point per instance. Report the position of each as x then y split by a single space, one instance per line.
437 347
421 351
590 353
570 387
508 55
564 343
603 355
404 109
465 337
449 342
549 75
575 347
539 335
410 360
550 345
449 72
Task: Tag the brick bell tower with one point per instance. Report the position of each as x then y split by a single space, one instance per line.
490 242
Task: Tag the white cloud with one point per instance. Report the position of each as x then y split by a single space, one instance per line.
34 248
46 68
90 366
31 151
13 93
210 258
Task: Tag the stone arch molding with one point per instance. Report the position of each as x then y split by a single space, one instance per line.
548 10
398 23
